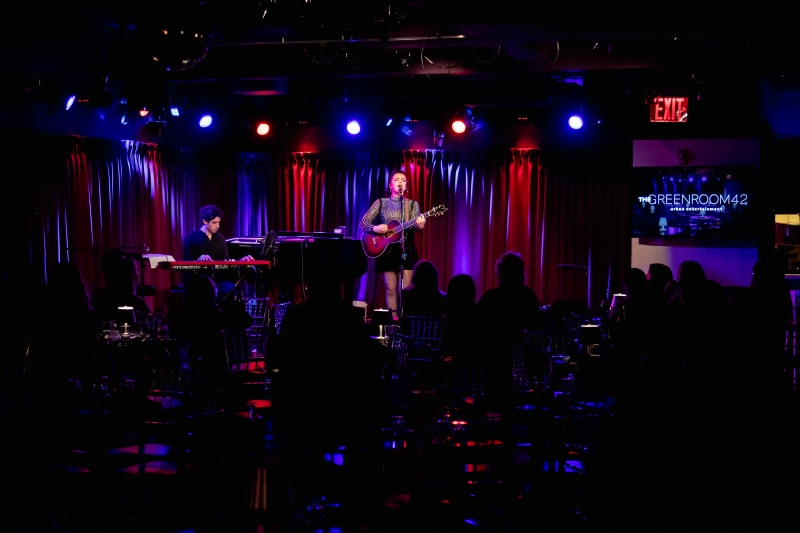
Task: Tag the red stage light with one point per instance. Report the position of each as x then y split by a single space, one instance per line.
459 126
263 128
143 112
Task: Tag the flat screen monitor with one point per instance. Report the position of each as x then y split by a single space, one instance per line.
693 203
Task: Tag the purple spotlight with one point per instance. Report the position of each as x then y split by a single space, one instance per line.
353 127
575 122
70 101
206 121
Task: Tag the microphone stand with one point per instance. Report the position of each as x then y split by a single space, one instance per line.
400 284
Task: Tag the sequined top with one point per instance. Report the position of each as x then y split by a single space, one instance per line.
387 209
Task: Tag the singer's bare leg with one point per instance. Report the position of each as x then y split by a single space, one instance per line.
390 282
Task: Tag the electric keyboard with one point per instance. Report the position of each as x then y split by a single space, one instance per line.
216 265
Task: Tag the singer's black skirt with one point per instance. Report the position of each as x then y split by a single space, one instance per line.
390 260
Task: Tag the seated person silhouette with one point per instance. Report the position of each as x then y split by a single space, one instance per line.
201 322
512 307
689 285
461 332
659 277
329 369
505 312
120 288
65 336
423 297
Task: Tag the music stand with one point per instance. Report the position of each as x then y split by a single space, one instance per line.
269 244
566 266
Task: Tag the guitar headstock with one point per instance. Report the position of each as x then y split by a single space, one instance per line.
436 211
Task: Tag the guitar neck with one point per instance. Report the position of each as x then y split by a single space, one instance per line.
405 225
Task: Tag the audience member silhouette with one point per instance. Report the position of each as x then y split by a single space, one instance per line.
461 331
640 302
511 308
120 288
329 369
505 313
423 297
691 279
66 332
201 322
640 317
659 277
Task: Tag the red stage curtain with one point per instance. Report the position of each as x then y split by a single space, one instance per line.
551 207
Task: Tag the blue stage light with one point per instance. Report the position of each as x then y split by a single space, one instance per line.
70 101
353 127
174 111
206 121
575 122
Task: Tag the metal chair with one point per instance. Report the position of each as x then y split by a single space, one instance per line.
400 344
242 354
425 334
166 389
462 379
258 309
247 371
278 311
423 327
554 343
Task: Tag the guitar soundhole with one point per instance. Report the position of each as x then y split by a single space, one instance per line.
388 234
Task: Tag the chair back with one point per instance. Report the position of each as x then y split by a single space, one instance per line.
554 343
463 376
400 344
187 361
278 311
529 367
168 376
258 309
531 361
243 354
424 327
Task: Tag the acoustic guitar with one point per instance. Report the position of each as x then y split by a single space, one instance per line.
376 243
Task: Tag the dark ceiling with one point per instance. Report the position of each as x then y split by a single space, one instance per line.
288 56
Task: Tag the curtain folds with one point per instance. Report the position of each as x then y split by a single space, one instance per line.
72 197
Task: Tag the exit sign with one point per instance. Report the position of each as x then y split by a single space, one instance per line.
669 109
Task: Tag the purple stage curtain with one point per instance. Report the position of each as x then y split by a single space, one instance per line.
552 208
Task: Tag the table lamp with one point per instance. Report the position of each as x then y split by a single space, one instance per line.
382 317
589 337
125 318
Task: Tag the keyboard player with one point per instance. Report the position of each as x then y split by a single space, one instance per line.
208 244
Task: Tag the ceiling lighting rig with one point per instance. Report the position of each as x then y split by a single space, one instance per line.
174 41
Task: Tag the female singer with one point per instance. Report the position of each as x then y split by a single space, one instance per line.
375 220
